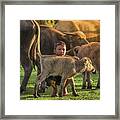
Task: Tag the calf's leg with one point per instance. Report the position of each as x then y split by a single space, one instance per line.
72 84
37 87
43 84
65 92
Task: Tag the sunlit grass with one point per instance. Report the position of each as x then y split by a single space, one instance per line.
93 94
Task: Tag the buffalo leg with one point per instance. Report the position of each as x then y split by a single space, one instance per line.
89 86
27 72
84 80
98 84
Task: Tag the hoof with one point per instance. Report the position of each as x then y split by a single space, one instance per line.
98 87
60 95
22 90
36 96
41 91
75 95
83 87
54 95
89 87
65 94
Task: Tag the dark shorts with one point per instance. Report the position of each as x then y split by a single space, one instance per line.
57 79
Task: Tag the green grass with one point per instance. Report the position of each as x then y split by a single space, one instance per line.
93 94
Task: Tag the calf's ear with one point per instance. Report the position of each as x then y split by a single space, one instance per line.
76 58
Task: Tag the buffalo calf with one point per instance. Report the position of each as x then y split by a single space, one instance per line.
65 67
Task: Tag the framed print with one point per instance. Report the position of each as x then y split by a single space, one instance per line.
60 59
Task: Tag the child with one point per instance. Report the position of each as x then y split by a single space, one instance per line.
60 50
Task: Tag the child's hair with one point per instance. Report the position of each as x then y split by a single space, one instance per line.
59 43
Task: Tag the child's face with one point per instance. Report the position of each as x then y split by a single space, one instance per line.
60 50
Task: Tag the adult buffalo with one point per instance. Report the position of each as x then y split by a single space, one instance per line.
28 38
31 34
91 28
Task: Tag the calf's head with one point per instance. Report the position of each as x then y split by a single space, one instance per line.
86 65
